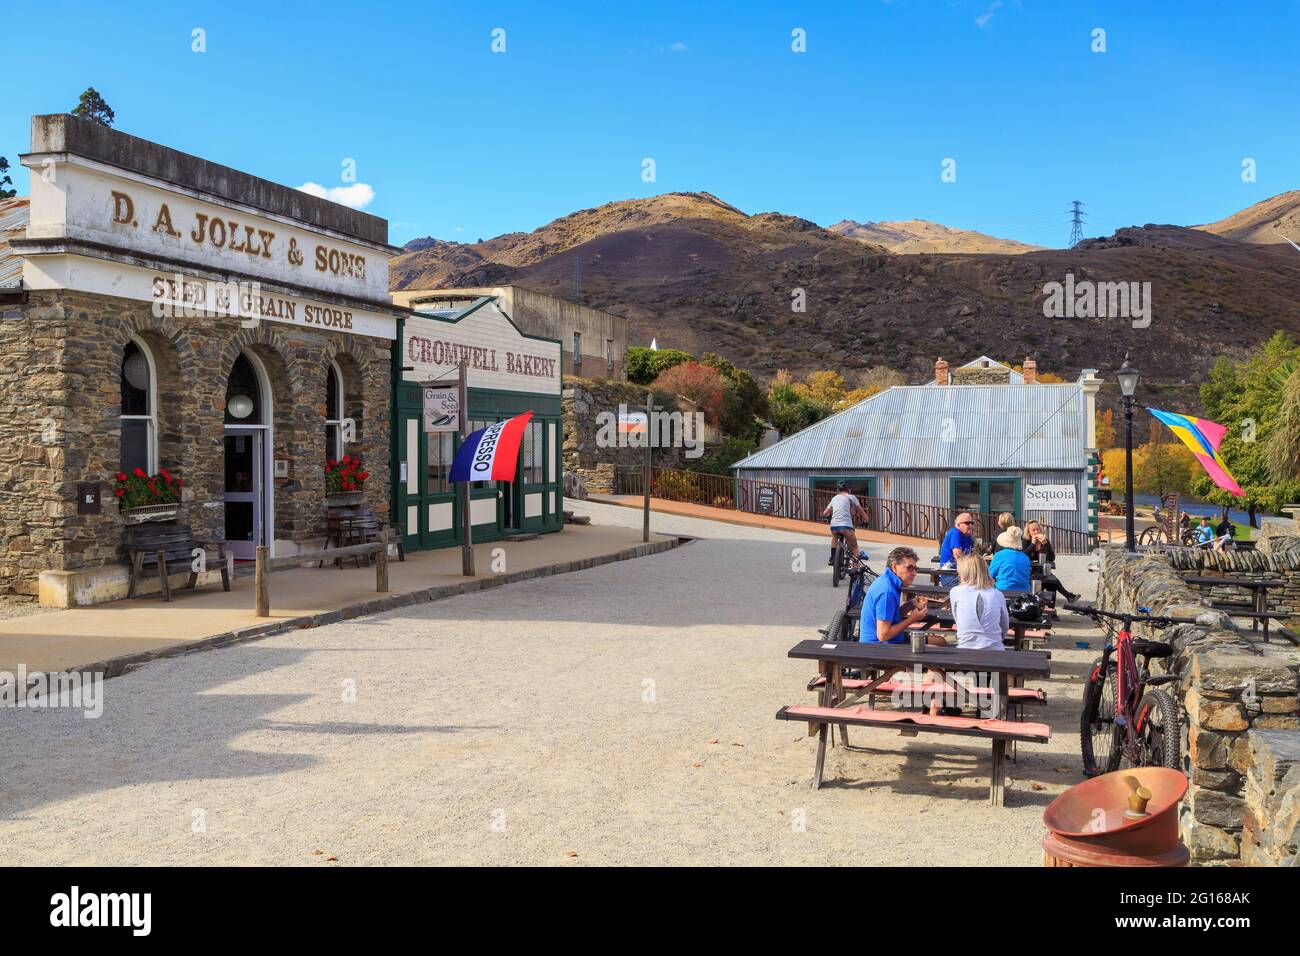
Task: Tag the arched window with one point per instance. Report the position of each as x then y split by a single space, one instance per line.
334 416
139 409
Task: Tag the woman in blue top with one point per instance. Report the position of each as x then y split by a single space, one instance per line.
1010 566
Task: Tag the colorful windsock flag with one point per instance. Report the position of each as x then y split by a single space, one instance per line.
490 454
1203 438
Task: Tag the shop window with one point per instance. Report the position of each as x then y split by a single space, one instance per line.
139 410
439 463
334 447
243 394
532 453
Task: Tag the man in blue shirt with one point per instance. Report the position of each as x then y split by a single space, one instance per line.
956 542
884 619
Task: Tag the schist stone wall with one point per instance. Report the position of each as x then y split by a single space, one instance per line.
1239 698
60 402
583 400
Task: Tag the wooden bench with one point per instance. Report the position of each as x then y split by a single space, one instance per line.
347 527
931 688
1000 732
161 546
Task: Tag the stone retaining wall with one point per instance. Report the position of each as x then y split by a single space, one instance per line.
583 400
1232 688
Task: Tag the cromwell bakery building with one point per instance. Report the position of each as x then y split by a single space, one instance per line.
171 314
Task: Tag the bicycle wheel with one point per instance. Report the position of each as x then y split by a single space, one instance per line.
839 629
1151 536
1157 730
837 565
1097 732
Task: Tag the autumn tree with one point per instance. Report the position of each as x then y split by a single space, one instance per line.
1105 429
701 384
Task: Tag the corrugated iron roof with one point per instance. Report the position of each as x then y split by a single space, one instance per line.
14 216
967 427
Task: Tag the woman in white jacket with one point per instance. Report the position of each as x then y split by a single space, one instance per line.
979 609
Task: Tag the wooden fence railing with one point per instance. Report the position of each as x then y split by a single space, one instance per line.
888 515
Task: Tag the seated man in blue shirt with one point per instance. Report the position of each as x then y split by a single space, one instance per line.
884 618
956 542
1010 567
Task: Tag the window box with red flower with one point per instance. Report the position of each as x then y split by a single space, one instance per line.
345 481
143 497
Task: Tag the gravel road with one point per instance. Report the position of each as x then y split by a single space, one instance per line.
618 715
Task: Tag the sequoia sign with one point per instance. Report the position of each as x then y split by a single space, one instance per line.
1051 498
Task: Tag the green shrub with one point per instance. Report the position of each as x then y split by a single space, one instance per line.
646 365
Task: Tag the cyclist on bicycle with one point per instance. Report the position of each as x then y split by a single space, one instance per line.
842 510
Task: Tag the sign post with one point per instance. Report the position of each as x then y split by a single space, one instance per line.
649 417
467 549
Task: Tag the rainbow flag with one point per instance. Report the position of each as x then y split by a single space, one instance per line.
1203 438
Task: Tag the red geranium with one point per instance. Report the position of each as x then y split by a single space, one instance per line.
121 476
139 488
119 492
139 473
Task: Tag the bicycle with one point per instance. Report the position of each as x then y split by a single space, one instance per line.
1126 716
841 561
845 621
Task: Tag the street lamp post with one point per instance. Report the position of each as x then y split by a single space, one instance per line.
1128 383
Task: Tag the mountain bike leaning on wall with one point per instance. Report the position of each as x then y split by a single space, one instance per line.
1128 718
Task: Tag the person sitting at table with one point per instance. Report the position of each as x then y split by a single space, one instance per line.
1039 550
979 610
956 542
1005 521
885 618
1010 566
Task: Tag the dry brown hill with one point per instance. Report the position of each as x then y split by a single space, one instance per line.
920 235
698 274
1266 221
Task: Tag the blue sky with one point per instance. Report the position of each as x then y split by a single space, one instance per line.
463 143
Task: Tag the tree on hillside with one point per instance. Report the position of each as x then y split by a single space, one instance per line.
702 384
790 409
743 402
1284 443
1105 429
1248 398
645 365
93 107
5 181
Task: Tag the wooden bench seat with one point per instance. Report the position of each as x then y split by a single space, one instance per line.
997 731
1014 694
166 548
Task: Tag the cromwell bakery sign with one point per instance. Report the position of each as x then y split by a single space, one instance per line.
497 354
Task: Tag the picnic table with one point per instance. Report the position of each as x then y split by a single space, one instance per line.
886 660
942 590
1257 610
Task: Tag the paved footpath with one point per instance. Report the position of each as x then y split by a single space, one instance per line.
621 714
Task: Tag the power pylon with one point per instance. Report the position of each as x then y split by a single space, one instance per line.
1076 224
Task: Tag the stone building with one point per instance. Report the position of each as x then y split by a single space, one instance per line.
176 314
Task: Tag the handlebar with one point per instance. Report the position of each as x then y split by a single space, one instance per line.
1155 620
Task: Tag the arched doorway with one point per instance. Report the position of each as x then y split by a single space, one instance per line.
248 442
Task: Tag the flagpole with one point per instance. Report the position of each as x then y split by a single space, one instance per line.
467 549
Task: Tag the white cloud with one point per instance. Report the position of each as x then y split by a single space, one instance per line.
358 195
983 19
678 47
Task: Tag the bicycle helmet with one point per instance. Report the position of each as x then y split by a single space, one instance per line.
1026 608
841 486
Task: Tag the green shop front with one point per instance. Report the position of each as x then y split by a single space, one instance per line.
509 373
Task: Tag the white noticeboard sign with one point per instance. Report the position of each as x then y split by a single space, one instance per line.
1051 498
441 408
